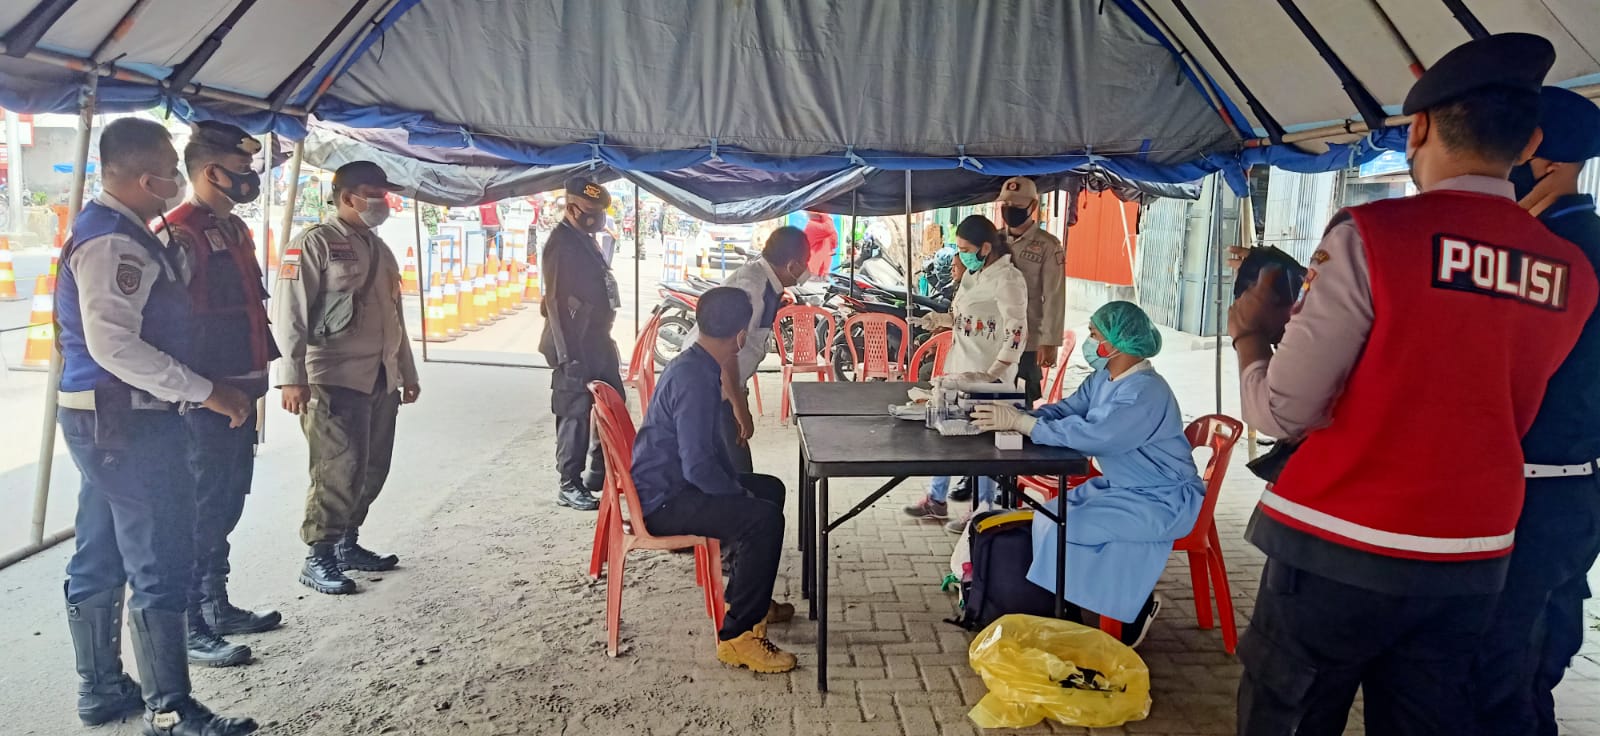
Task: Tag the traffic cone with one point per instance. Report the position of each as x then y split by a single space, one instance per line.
55 264
42 332
480 305
8 273
514 271
452 307
491 300
530 279
438 326
502 287
408 274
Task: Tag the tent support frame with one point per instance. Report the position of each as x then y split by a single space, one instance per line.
207 48
1368 106
26 34
1275 132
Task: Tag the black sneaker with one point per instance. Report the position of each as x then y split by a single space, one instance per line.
577 498
206 649
322 574
353 556
962 492
1133 633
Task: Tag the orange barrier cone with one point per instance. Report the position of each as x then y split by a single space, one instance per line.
476 318
530 278
491 300
514 284
408 274
502 287
438 326
55 265
42 332
452 307
8 273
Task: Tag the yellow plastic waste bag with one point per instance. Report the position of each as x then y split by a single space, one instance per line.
1038 668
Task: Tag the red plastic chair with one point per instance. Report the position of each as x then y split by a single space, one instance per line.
642 364
1069 342
804 356
872 359
936 348
1206 568
615 536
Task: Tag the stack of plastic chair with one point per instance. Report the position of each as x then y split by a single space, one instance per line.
808 354
42 320
642 363
935 348
620 526
8 273
872 359
408 274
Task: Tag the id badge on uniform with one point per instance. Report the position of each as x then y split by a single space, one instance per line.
611 291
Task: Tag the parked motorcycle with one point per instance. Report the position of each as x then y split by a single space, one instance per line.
866 296
678 302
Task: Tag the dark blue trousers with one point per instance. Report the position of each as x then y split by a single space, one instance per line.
136 507
222 459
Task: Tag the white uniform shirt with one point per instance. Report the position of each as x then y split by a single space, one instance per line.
113 317
755 279
991 320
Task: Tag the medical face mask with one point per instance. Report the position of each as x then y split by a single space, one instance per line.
1096 353
241 187
376 213
1523 181
1014 216
168 203
589 222
972 261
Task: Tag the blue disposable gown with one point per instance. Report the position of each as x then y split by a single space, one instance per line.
1121 525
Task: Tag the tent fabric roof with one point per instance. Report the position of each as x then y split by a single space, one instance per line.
994 87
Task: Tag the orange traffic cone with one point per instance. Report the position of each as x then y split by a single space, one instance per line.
55 264
502 287
514 284
472 304
452 307
530 282
408 274
42 332
8 273
491 300
438 325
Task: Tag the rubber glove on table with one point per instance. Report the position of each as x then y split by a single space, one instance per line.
1002 418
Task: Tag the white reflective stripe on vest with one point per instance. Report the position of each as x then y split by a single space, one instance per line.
1380 538
1531 470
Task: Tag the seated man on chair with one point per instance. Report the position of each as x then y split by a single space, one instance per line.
1121 525
688 483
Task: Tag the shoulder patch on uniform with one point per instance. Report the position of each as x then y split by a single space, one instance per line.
130 258
214 237
1320 257
129 277
1465 265
289 271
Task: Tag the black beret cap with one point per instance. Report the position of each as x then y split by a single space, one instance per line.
1513 60
1571 125
225 137
361 173
586 189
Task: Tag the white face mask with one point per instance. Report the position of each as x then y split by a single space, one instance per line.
376 212
169 203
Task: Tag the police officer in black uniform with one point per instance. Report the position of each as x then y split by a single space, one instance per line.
124 318
580 304
1538 624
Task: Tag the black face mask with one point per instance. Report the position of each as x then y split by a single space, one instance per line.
1015 216
589 222
1523 181
241 188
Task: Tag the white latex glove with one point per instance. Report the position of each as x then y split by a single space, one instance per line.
998 370
1002 418
935 321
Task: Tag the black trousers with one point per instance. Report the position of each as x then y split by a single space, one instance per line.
1313 641
1032 377
579 460
728 433
1538 624
751 529
222 459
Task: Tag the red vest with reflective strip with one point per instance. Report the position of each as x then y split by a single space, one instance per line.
225 289
1475 306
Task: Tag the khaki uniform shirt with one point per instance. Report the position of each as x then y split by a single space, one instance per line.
337 320
1043 263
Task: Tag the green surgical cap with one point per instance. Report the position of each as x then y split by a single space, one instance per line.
1128 329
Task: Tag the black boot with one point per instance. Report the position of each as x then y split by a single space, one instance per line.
962 492
322 572
225 618
105 692
209 650
353 556
574 496
158 645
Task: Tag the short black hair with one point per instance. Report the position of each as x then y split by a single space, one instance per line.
723 312
200 152
977 230
787 244
1494 122
130 146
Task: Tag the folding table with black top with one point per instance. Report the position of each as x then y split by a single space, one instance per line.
881 446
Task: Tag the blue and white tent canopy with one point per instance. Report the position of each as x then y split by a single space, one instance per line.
1150 90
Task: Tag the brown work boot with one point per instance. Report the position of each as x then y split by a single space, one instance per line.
755 653
778 613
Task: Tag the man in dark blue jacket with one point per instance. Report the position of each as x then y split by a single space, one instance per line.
688 483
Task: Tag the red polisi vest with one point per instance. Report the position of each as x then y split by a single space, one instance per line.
231 337
1475 305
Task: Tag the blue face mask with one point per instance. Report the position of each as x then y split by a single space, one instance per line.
1091 353
972 261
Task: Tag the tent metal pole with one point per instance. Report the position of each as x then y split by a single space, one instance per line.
908 253
1413 63
351 46
1275 132
33 548
1218 254
638 258
422 256
270 147
33 26
47 442
287 87
208 48
1208 85
1371 110
854 246
1467 20
293 183
126 75
119 30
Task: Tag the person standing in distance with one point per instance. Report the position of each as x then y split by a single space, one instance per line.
1042 261
1538 624
230 344
1388 532
124 321
579 307
346 369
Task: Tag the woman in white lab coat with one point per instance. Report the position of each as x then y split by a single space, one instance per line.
989 317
